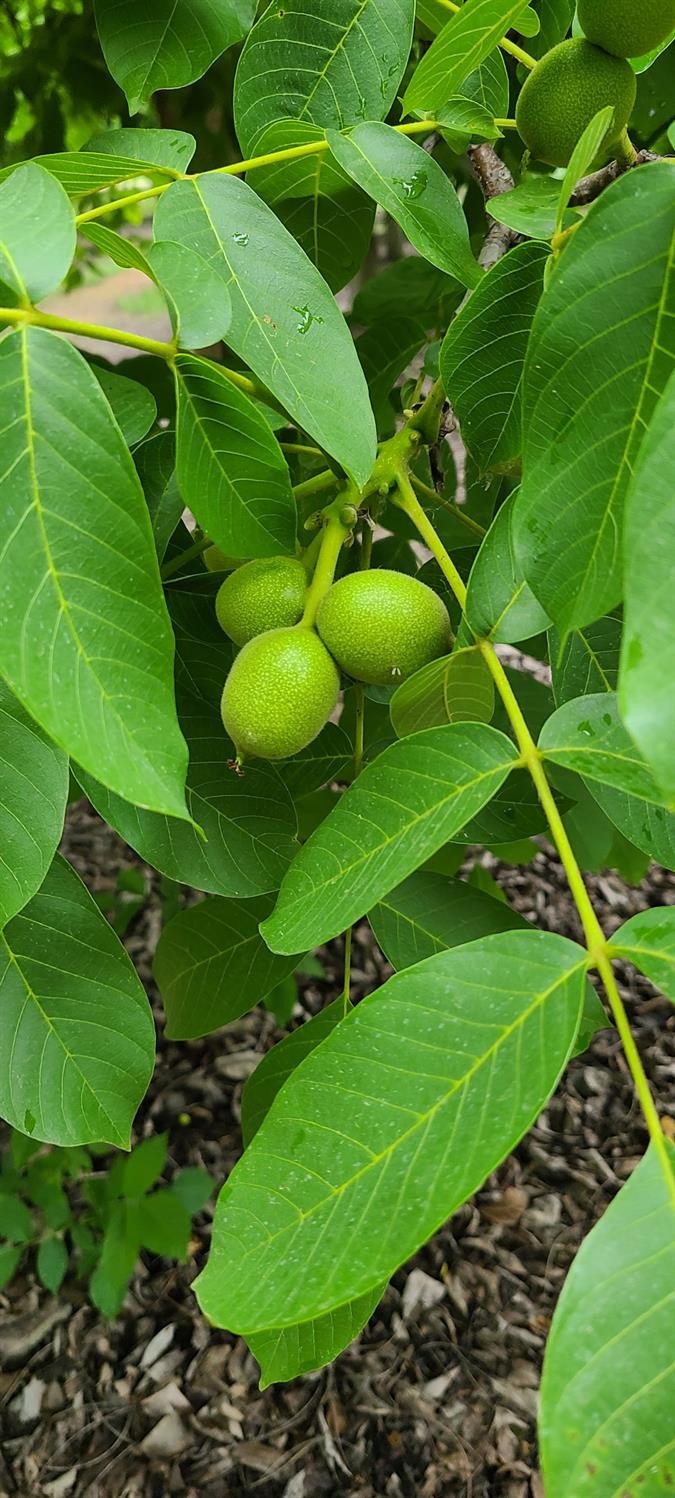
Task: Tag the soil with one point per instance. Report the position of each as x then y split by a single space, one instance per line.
438 1398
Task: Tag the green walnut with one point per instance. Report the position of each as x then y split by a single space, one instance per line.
563 93
218 561
382 626
624 27
282 688
261 595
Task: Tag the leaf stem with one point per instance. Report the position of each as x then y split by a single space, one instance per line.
598 953
428 493
188 555
236 168
316 485
19 315
505 43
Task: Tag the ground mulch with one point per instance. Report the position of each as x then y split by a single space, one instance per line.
438 1398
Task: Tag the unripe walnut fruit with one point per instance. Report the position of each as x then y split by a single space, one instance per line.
382 626
261 595
627 28
563 93
282 688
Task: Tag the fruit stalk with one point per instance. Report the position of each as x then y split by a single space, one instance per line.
335 531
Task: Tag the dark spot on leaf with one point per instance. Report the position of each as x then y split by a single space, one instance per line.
591 1469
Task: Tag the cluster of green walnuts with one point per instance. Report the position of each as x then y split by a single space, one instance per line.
585 74
377 627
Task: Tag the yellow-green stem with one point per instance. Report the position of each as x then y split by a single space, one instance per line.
505 43
407 500
333 537
598 952
30 315
636 1069
359 728
236 168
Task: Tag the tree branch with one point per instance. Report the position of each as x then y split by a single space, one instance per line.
589 188
494 178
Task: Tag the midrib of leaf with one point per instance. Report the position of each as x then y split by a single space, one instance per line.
53 1032
140 89
320 78
421 1121
15 270
595 659
51 567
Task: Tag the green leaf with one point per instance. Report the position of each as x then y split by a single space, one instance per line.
193 1187
458 688
198 298
588 661
584 153
386 349
158 47
483 96
322 62
37 233
285 322
249 823
608 1384
483 352
211 965
648 941
288 1352
52 1263
328 757
587 736
144 1165
119 1252
164 1224
499 604
231 470
413 188
10 1258
410 285
463 43
402 808
170 150
593 1019
118 248
155 461
33 796
393 1122
462 116
514 812
16 1222
531 208
72 1001
317 202
648 654
85 639
428 914
261 1088
132 404
597 360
